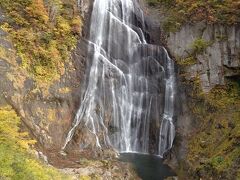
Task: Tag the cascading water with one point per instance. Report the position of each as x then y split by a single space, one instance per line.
128 100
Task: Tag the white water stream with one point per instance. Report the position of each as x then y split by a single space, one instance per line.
128 101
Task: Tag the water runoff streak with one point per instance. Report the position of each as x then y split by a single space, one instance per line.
128 100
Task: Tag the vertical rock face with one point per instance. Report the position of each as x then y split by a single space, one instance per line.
46 109
219 59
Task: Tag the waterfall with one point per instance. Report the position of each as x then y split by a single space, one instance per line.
128 100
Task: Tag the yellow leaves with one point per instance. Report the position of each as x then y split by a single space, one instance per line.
44 33
64 90
85 177
15 158
194 11
51 115
40 70
18 18
63 26
9 129
187 61
222 97
5 26
77 25
179 1
3 53
38 11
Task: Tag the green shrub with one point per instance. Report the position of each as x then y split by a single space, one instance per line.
199 45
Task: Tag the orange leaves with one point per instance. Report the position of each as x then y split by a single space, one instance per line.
44 33
37 11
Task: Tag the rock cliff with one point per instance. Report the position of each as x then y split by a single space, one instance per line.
209 52
46 109
208 56
219 59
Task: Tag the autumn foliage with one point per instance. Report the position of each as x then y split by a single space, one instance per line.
16 156
179 12
44 33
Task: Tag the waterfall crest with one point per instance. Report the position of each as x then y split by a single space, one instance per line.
128 100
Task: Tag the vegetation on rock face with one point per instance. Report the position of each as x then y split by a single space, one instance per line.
214 150
214 145
179 12
43 32
198 46
16 158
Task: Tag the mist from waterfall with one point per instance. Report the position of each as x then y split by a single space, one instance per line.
128 100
